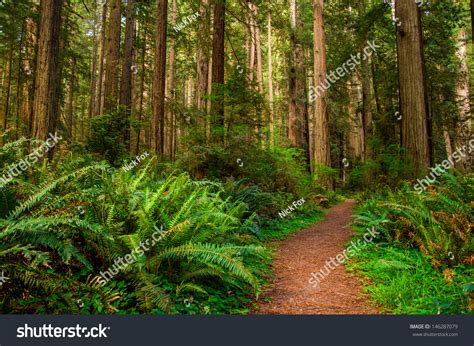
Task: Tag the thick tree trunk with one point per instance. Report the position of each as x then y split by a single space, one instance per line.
127 63
112 61
99 105
412 87
321 154
46 98
217 104
160 79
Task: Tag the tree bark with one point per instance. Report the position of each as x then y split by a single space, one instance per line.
202 58
321 150
217 104
112 61
270 81
367 115
70 102
412 86
6 108
46 97
297 113
463 129
127 63
93 85
160 78
99 105
142 88
170 87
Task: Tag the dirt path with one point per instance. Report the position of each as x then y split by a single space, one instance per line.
307 252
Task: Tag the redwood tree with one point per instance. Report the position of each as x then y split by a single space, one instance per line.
45 105
414 130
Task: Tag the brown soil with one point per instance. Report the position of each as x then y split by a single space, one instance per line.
306 252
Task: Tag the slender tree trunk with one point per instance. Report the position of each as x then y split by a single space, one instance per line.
27 85
99 105
142 88
217 104
46 98
6 112
321 148
355 136
170 87
19 80
412 86
367 115
270 80
112 61
93 85
202 58
463 130
158 124
127 63
70 102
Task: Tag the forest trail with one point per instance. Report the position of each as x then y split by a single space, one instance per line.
306 252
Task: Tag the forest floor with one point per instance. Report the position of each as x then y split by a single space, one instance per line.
306 252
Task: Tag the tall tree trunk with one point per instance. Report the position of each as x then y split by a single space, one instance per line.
463 130
93 85
27 85
142 88
321 154
170 87
202 59
6 108
270 81
355 136
367 115
412 86
158 124
46 97
472 21
127 63
112 61
297 118
217 104
99 105
70 102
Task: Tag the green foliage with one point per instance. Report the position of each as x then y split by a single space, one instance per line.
438 222
403 281
107 133
56 239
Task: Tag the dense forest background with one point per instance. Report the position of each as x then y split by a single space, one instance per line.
210 117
